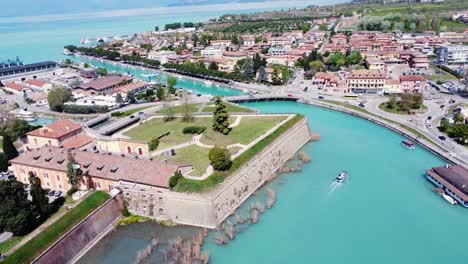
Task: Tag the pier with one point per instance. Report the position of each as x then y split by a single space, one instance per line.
259 98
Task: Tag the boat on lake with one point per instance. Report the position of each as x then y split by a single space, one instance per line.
341 177
408 144
449 199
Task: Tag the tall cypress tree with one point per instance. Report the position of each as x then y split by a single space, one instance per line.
220 117
8 147
39 196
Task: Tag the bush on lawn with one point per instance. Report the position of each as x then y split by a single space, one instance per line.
220 158
194 130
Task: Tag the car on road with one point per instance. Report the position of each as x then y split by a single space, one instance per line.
362 105
132 116
305 89
452 101
141 113
442 138
321 97
429 118
429 126
290 95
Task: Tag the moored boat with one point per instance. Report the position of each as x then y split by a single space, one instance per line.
449 199
341 177
408 144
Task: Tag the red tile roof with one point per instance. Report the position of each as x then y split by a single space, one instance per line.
15 86
56 130
78 142
36 82
104 83
412 78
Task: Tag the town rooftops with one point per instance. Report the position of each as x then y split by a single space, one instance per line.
104 166
455 175
15 86
78 142
366 74
412 78
234 54
104 82
131 87
36 82
56 130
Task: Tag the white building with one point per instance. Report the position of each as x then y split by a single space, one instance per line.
211 52
453 54
161 55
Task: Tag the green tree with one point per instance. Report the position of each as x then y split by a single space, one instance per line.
74 173
17 128
392 101
213 66
154 143
336 61
305 27
175 179
247 69
444 125
39 196
220 117
458 118
9 148
67 61
118 98
160 94
16 211
220 158
57 97
262 74
354 57
171 83
101 71
323 27
459 131
86 65
316 66
3 162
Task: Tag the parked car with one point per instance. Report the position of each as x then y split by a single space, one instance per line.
141 113
321 97
442 138
51 193
429 118
305 89
58 193
132 116
2 256
362 105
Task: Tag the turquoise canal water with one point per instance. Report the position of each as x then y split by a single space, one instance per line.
196 86
386 212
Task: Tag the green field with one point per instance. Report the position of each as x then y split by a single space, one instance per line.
195 155
232 108
193 108
188 185
10 243
249 129
207 108
47 237
441 75
397 110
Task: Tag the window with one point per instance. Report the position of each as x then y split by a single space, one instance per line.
160 199
60 186
46 175
161 211
58 177
48 184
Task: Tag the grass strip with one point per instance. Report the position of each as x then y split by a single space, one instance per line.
48 236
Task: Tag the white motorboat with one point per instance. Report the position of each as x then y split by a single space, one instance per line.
341 177
449 199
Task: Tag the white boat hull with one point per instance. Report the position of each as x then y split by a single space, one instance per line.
449 199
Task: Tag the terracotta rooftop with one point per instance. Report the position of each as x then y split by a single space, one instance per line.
110 167
15 86
130 87
104 82
56 130
78 142
36 82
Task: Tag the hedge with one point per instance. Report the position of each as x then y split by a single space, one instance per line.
85 109
194 130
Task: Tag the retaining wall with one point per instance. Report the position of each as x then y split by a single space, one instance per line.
67 247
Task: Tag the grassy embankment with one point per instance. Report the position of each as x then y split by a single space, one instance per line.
47 237
359 109
188 185
129 112
249 129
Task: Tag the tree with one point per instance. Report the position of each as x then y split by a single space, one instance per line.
458 118
86 65
392 102
154 143
354 57
261 74
74 173
175 179
57 97
247 69
68 61
168 112
101 71
171 83
17 128
16 212
444 125
305 27
39 196
220 117
323 27
187 114
8 148
257 62
275 77
316 66
213 66
3 162
160 93
156 28
118 99
336 61
220 158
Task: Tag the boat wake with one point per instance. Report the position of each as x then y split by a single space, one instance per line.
333 186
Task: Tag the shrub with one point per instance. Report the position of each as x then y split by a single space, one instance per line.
154 143
175 179
125 211
220 158
194 130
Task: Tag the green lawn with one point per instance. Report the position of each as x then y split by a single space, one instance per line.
195 155
188 185
129 112
397 110
232 108
180 109
453 25
249 129
157 126
47 237
234 150
442 75
10 243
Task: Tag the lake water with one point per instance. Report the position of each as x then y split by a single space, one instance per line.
385 213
